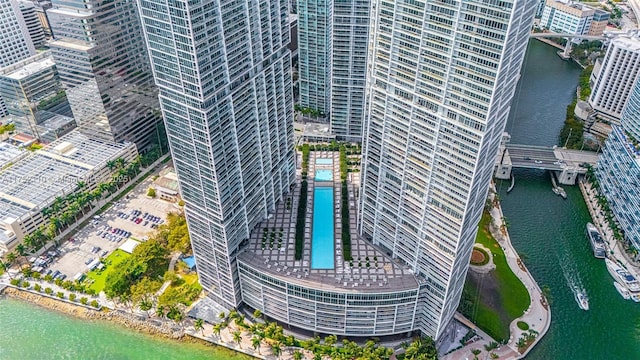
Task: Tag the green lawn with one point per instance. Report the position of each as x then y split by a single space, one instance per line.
513 296
99 276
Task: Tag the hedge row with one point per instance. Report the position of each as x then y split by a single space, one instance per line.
300 221
346 231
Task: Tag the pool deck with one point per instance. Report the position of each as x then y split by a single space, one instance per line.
383 276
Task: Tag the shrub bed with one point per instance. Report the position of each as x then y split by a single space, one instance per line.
300 221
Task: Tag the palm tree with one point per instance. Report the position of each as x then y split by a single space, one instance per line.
276 348
5 267
20 249
217 328
111 164
330 340
222 315
237 337
160 311
475 353
80 185
255 343
11 258
199 325
257 314
145 305
121 162
297 355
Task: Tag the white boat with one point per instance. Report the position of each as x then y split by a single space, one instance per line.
635 297
597 243
622 290
622 276
559 191
582 300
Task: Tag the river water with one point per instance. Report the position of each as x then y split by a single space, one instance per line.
549 232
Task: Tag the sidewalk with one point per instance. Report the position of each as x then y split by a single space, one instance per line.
537 316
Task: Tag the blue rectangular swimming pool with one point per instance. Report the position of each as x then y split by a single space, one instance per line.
324 175
324 161
322 244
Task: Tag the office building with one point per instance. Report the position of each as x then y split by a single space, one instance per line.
614 77
315 26
15 43
349 68
101 57
41 7
36 179
33 93
226 97
32 22
566 16
441 80
618 170
599 22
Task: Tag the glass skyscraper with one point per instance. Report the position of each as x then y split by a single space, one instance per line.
101 57
441 78
224 74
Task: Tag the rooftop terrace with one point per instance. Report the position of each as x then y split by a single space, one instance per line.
382 274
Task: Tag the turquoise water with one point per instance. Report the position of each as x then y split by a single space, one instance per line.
324 175
322 231
29 332
324 161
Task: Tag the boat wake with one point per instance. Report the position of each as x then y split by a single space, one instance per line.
574 283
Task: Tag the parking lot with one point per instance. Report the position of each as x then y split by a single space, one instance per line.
131 217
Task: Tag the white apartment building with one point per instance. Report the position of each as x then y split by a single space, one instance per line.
441 79
349 68
566 16
618 169
224 75
315 21
614 78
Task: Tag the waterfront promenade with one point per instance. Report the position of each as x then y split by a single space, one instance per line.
538 315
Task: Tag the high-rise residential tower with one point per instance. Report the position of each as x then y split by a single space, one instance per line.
315 22
349 68
223 70
101 57
615 77
618 169
441 79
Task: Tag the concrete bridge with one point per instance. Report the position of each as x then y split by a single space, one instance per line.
606 35
566 164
